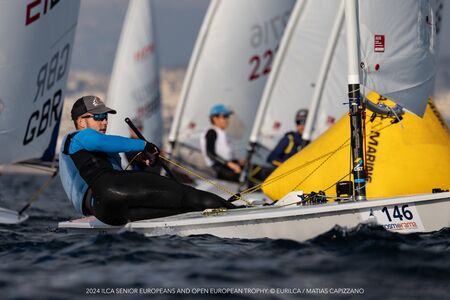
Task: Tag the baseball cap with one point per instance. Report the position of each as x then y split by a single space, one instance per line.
300 116
220 109
92 104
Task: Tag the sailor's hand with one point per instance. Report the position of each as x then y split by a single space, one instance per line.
151 153
151 149
234 166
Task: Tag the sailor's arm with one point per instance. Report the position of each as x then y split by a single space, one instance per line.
276 156
211 137
92 140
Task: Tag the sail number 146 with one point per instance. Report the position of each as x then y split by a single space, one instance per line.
398 213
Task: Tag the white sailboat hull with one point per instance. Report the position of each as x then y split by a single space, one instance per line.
10 217
419 213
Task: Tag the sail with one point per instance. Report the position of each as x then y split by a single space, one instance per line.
295 75
37 44
230 65
134 86
400 160
397 46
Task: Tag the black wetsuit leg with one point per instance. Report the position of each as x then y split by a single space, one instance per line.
225 173
120 197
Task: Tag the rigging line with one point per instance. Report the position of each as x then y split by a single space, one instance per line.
38 192
278 177
329 154
321 164
287 173
223 189
337 181
132 160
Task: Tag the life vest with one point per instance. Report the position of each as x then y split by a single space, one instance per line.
91 165
222 146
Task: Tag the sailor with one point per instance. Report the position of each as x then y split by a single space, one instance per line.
291 142
216 149
91 174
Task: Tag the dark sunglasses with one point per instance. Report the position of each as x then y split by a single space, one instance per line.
97 117
224 116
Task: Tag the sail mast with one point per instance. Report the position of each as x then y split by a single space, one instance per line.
356 109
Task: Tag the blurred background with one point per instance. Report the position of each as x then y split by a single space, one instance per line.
177 24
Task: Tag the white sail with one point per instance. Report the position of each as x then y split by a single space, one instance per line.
295 74
398 50
134 86
230 65
37 44
425 212
329 102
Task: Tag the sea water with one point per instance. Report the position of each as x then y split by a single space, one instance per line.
39 261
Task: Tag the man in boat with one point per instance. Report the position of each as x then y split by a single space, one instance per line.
91 174
218 153
291 142
216 149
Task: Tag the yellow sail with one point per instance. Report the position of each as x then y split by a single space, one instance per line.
410 157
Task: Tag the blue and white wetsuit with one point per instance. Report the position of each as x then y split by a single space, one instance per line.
89 161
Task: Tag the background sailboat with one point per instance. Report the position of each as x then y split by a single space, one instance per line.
408 158
230 64
295 78
34 64
300 218
134 89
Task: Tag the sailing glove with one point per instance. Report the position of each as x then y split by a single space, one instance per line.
151 151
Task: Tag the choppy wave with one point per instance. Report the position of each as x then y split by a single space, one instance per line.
39 261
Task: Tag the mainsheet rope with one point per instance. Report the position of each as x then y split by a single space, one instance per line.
257 187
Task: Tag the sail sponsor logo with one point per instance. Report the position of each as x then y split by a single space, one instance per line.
48 114
330 120
149 109
144 52
403 218
400 226
358 163
371 153
378 43
36 8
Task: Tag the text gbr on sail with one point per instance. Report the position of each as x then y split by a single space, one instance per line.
47 80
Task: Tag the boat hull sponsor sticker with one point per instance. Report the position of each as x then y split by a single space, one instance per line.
397 218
